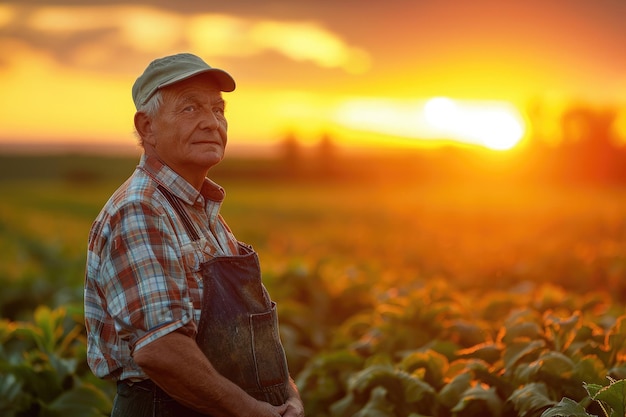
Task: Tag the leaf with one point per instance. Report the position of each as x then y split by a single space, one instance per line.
477 366
10 389
345 407
466 333
615 396
327 373
32 335
45 320
451 393
530 398
566 408
445 347
592 389
590 369
434 363
617 372
556 364
563 324
6 329
562 330
522 331
82 401
479 399
66 341
43 383
550 365
403 389
414 390
616 338
489 352
373 376
332 362
378 405
517 351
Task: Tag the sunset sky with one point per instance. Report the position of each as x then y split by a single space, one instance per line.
365 73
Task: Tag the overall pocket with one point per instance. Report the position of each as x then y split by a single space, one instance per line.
269 355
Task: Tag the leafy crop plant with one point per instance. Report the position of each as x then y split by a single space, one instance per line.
611 401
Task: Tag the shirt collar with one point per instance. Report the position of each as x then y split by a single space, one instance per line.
176 184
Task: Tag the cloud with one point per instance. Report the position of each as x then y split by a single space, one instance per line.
221 35
96 36
147 29
303 41
7 15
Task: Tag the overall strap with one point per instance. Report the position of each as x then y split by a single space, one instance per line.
182 213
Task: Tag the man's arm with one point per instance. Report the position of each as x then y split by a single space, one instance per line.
176 364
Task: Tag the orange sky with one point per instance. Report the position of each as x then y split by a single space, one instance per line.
68 66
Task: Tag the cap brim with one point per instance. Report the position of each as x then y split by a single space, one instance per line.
225 82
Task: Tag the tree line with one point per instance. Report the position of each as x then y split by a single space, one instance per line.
584 145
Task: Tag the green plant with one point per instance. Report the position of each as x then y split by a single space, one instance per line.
611 400
42 368
520 364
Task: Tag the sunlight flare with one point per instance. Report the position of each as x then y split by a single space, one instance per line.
494 125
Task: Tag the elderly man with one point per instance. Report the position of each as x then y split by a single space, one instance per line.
174 305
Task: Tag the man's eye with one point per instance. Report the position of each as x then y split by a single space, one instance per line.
190 108
219 110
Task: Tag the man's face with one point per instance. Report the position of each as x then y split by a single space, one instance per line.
189 130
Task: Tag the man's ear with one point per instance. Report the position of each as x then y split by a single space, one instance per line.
143 125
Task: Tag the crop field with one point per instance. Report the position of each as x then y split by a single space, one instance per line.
396 298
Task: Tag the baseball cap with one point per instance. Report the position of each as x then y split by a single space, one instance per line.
174 68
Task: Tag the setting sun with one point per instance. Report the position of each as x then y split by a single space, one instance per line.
494 125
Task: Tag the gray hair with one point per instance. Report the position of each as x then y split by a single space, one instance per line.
151 108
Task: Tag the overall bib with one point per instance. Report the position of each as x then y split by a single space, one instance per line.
237 332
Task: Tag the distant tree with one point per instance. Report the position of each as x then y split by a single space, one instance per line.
326 148
326 156
589 144
290 153
586 125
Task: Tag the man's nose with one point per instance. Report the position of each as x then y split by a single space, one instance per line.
209 120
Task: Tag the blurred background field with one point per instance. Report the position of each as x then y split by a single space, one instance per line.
344 242
372 214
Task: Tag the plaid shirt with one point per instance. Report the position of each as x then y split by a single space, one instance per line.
143 276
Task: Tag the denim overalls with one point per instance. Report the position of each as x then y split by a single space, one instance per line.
238 333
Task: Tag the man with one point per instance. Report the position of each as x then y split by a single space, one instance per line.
174 305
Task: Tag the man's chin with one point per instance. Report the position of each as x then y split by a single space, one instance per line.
210 159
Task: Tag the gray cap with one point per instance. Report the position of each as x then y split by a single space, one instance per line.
174 68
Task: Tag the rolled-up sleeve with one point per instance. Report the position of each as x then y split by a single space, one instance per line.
144 278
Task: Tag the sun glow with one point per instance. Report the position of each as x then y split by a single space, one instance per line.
494 125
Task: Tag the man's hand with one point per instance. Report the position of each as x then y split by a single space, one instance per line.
267 409
294 408
176 364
